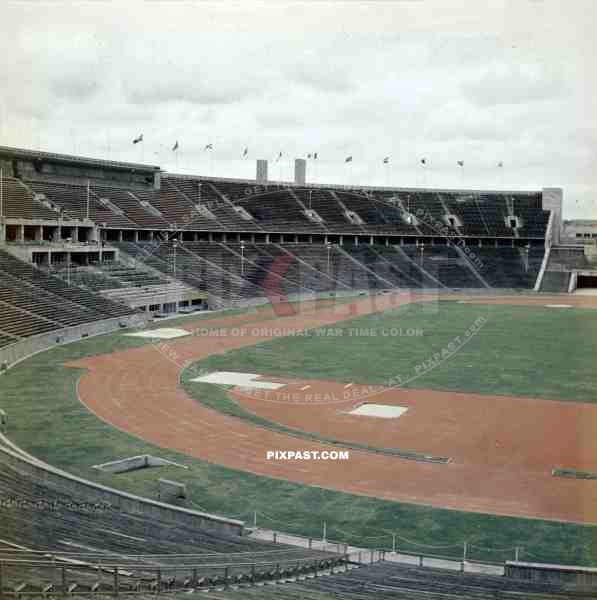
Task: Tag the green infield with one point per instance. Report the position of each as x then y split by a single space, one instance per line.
46 419
513 350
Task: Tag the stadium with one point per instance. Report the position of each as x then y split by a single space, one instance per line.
271 386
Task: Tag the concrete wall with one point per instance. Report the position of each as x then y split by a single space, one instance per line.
134 463
37 343
88 491
171 491
556 574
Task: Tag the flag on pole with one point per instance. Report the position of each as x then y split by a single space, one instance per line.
348 159
279 157
308 155
315 156
460 163
245 152
138 139
500 164
423 161
386 160
209 147
175 147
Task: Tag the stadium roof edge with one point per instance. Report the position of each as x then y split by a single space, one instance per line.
8 151
344 187
69 158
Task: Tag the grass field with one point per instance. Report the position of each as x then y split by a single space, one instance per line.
520 351
513 354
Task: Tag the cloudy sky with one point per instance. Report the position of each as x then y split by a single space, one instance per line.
481 81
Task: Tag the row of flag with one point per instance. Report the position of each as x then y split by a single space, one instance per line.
424 161
313 155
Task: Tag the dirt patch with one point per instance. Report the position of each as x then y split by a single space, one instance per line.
472 429
537 300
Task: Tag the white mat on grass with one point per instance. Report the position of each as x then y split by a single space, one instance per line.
163 333
384 411
245 380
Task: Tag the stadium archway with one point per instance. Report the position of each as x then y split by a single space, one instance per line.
584 282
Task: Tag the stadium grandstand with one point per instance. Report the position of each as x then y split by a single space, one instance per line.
89 246
125 231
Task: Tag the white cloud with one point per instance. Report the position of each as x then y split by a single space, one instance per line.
507 80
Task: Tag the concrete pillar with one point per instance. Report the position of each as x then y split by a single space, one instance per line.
150 236
310 238
261 171
136 236
120 235
94 234
356 240
281 238
38 233
295 238
2 231
21 234
74 233
252 238
267 238
224 239
325 239
371 240
300 171
551 199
